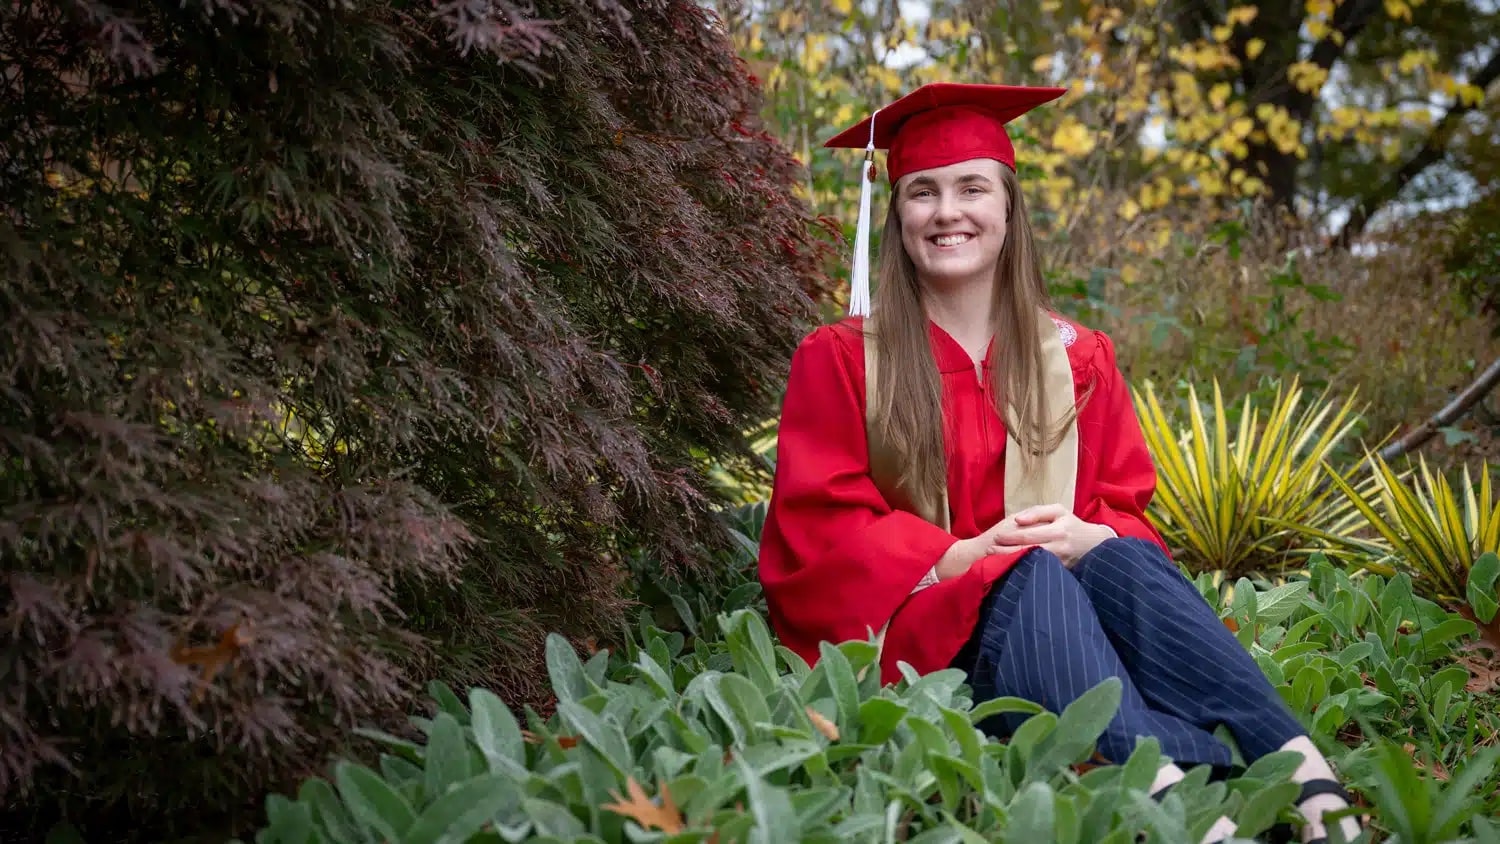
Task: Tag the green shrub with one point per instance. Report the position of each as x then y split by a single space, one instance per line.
346 345
724 736
739 741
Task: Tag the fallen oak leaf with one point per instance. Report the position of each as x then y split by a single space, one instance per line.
829 729
644 811
1436 768
565 742
1484 674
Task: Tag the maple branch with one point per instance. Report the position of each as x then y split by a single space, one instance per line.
1348 20
1432 151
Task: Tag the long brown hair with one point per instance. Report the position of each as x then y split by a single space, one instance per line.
908 400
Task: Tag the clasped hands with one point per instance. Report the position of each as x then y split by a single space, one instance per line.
1048 526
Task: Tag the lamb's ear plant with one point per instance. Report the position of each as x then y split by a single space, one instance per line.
722 735
750 744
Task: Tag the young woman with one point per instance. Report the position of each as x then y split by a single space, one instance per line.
903 435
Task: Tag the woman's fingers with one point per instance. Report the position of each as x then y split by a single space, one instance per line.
1034 535
1039 514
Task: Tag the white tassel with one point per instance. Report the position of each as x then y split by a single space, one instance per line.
859 273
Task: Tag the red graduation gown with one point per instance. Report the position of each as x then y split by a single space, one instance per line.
837 562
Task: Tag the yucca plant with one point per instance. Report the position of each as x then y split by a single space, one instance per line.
747 479
1235 498
1445 538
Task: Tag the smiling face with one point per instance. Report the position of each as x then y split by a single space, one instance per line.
954 221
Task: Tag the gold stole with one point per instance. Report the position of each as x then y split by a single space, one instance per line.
1054 478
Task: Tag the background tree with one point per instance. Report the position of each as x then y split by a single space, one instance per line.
1328 109
349 345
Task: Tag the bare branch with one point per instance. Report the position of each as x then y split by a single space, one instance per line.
1451 413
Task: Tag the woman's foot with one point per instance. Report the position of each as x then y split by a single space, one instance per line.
1322 797
1169 775
1321 794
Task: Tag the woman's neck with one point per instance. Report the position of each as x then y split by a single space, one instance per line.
966 313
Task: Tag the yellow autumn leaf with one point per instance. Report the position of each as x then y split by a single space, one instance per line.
1307 76
1242 15
1185 85
1042 64
1319 8
949 29
1210 183
1218 96
1470 95
1222 32
1253 48
1252 186
1072 138
843 7
815 56
1129 210
1398 10
1129 274
1411 60
1318 29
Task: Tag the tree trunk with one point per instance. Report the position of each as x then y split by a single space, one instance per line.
1264 81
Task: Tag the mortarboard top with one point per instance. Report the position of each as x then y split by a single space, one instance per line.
936 125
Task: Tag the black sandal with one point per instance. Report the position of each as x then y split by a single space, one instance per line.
1313 788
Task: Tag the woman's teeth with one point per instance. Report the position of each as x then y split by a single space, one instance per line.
950 239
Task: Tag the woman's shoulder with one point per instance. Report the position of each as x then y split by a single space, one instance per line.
831 350
845 338
1089 349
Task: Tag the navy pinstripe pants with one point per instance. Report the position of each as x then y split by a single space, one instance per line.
1048 634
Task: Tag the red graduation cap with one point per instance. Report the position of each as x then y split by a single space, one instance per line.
936 125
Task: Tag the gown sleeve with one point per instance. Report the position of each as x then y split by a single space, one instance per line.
836 561
1125 476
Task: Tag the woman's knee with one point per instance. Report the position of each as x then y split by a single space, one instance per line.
1038 566
1120 555
1038 571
